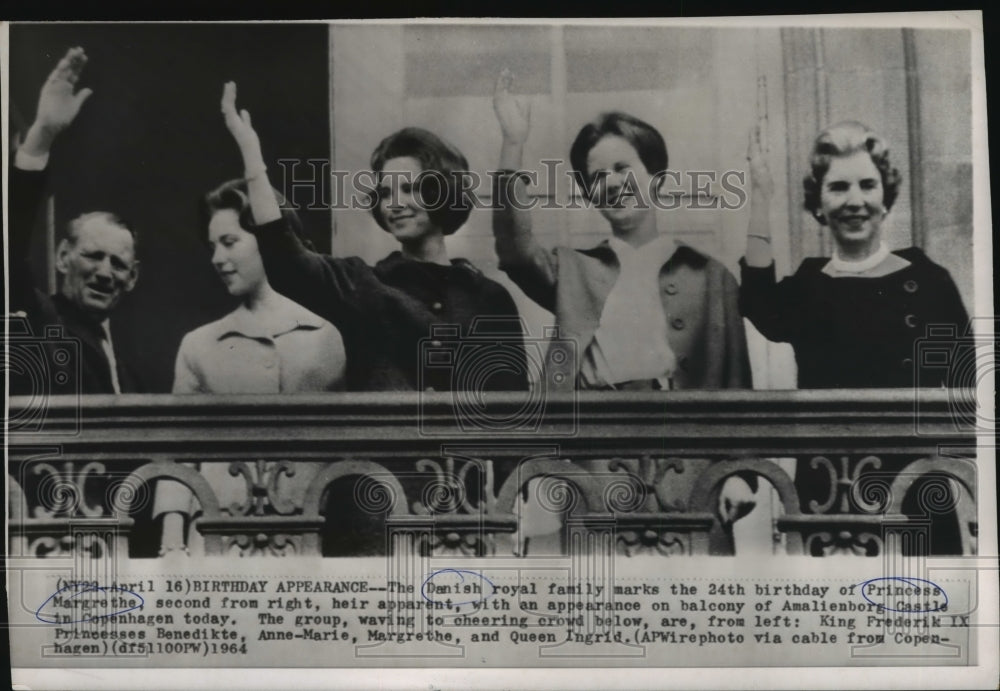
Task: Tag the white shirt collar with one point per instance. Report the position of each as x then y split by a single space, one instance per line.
243 322
839 265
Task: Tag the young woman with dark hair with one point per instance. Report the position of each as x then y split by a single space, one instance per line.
269 343
645 310
387 312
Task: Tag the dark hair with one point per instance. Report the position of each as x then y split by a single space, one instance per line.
643 137
74 227
233 195
440 185
844 139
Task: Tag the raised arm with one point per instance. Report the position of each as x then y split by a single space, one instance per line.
263 203
529 265
58 105
317 282
759 252
773 307
344 291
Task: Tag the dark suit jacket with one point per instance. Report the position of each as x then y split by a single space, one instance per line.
56 347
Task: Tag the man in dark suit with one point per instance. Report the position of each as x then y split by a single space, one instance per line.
96 261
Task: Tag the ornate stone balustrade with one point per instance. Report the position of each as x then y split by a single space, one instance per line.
350 474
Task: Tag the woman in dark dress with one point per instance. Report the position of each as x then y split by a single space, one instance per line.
854 319
418 319
390 315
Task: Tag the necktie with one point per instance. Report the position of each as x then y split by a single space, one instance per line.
109 353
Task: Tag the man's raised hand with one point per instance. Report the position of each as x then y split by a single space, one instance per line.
58 103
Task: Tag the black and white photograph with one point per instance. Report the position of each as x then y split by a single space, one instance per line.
435 353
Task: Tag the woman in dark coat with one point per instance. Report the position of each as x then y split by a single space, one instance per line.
854 319
417 301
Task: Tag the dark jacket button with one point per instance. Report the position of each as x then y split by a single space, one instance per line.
670 289
910 286
677 323
911 321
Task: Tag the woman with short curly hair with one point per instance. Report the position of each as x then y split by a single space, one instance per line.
853 319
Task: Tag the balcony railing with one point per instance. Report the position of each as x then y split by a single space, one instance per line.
338 474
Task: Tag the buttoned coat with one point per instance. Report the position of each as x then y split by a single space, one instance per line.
236 354
397 314
700 299
859 331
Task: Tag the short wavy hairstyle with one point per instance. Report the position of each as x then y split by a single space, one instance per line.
234 196
844 139
441 184
643 137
